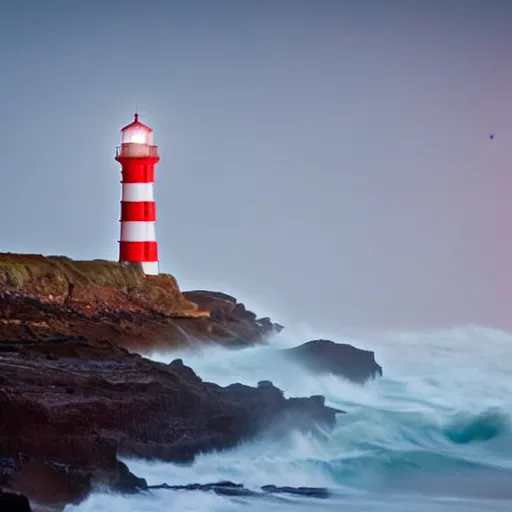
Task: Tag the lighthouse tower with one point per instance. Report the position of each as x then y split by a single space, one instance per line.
138 157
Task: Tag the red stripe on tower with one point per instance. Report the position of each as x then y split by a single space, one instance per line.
138 157
138 211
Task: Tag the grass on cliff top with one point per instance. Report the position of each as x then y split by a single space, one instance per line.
51 275
22 271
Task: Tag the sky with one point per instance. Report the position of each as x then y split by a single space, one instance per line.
328 162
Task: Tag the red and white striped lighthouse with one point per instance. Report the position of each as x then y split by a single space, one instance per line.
138 157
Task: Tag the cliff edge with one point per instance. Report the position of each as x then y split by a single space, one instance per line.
43 297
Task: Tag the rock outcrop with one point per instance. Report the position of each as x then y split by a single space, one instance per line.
231 322
42 297
325 356
233 489
14 502
69 407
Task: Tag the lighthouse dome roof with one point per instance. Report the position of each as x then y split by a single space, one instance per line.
136 132
136 124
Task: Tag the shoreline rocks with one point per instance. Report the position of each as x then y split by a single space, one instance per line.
341 359
76 392
14 502
71 407
26 317
227 488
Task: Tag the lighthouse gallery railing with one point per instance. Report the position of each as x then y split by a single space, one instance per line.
133 150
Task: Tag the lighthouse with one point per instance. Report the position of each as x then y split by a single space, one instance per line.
138 156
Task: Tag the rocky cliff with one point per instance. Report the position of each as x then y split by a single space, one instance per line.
43 297
70 407
76 393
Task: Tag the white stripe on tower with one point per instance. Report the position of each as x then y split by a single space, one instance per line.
138 192
138 231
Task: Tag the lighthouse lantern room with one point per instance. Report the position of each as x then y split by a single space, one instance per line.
138 156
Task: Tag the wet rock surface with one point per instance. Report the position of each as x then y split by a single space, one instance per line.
232 324
325 356
231 489
14 502
71 407
27 317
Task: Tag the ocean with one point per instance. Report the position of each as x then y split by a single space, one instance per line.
434 433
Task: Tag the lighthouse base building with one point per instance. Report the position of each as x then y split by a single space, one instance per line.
138 156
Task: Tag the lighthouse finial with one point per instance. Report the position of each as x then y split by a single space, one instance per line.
136 116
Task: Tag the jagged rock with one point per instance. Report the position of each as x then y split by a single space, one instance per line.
6 470
325 356
227 488
236 326
126 482
13 502
265 384
65 419
311 492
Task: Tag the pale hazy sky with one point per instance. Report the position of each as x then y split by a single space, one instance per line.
327 160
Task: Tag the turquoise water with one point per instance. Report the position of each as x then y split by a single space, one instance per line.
435 433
